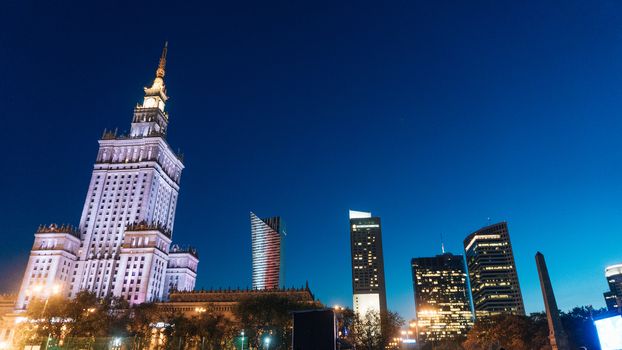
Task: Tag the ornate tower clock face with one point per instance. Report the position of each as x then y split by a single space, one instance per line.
150 102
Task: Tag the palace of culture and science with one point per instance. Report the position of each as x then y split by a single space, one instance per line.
122 246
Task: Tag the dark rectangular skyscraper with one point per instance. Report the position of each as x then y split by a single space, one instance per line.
492 272
441 297
268 244
368 287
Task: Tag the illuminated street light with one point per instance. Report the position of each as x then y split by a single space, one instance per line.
116 343
267 341
38 290
242 333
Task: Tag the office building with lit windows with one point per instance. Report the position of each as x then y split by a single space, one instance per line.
268 250
442 302
368 283
121 246
492 272
613 298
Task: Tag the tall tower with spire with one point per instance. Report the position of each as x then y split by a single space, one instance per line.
127 221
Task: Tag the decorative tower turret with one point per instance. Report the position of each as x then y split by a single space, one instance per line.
150 119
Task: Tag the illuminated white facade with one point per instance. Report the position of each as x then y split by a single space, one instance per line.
609 332
121 246
50 265
362 303
181 273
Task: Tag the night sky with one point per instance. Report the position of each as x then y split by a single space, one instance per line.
433 115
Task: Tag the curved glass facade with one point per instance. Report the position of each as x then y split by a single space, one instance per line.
268 251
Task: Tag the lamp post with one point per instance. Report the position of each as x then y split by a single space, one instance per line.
415 325
267 342
242 334
38 290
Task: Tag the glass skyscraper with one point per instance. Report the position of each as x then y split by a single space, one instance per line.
441 297
368 286
492 272
268 244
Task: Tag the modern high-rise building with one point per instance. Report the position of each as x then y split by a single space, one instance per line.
613 298
442 298
368 284
121 246
268 245
492 272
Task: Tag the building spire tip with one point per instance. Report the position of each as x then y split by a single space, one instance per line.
161 66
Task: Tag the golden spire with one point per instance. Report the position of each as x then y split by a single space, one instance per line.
160 70
158 88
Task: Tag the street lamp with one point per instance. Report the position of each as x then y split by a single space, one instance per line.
242 334
38 291
267 341
116 343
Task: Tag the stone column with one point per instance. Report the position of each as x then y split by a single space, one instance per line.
557 336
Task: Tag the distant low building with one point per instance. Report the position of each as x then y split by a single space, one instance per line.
224 301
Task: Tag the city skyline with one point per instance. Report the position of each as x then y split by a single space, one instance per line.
454 118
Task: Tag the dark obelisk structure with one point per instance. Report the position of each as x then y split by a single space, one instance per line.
557 336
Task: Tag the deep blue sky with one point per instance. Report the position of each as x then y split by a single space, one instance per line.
433 115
